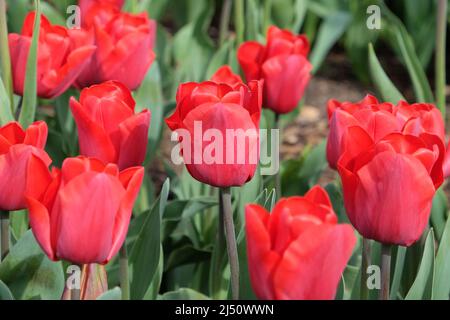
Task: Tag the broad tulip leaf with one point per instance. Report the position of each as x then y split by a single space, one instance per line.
425 272
301 7
153 289
382 82
218 59
441 284
398 271
113 294
29 274
5 66
144 257
252 17
183 294
5 293
329 33
439 212
29 102
5 103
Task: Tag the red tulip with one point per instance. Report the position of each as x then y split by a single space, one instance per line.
62 56
23 164
98 11
283 65
389 185
378 120
124 51
108 128
297 252
84 214
217 109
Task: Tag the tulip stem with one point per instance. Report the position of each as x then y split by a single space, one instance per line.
365 262
385 271
239 20
278 174
123 273
231 242
4 226
224 21
441 30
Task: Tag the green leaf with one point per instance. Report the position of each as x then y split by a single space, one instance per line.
398 271
382 82
5 293
441 284
144 257
5 103
52 14
113 294
439 212
183 294
29 102
252 23
301 7
149 96
219 59
6 91
29 274
155 285
329 33
426 270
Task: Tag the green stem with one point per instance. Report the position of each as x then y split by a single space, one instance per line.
365 262
278 174
123 273
4 227
267 12
231 242
5 59
224 21
441 30
239 20
385 271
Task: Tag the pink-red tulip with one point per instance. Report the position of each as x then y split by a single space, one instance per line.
62 56
283 65
23 164
218 108
108 128
225 75
83 216
297 252
378 120
389 184
124 50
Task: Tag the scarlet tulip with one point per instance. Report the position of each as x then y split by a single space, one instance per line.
124 50
223 112
226 75
103 10
389 185
297 252
83 216
108 127
62 55
283 65
378 120
23 164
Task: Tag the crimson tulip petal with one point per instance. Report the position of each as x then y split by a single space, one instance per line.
40 224
36 135
250 56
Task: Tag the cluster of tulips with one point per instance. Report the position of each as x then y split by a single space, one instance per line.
390 157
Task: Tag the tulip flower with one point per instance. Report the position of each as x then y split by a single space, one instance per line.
23 164
108 127
62 55
298 251
378 120
389 185
283 65
83 216
124 50
209 117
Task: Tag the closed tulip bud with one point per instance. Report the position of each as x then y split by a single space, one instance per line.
378 120
84 214
61 56
23 164
389 185
108 127
283 65
297 252
230 117
124 50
